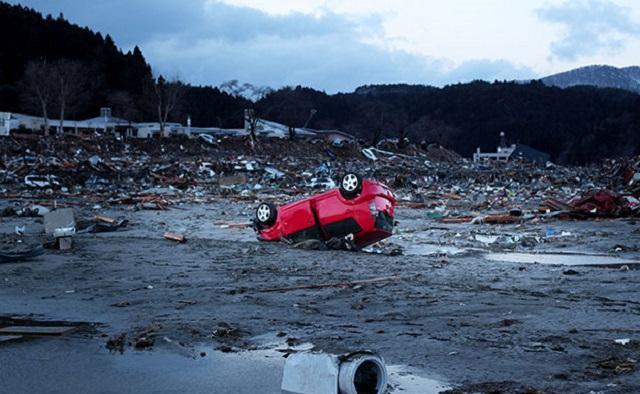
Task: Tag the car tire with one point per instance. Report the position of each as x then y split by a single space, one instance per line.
350 185
266 214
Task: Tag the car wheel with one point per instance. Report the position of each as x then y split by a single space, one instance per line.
266 214
350 185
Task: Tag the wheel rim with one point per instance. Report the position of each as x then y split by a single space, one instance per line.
263 213
350 182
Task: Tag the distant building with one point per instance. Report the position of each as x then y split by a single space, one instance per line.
152 129
512 152
107 123
12 121
104 123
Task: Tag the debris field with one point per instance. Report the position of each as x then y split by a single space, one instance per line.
499 277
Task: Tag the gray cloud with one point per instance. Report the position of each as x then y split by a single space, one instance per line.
592 26
210 42
134 21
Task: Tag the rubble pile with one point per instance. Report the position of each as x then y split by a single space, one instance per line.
154 173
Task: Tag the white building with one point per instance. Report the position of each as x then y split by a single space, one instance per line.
12 121
511 152
107 123
152 129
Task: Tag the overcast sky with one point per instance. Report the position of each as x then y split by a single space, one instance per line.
337 45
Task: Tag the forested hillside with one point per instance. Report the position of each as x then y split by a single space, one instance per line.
574 125
102 74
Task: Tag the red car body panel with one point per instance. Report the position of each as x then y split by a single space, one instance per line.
369 216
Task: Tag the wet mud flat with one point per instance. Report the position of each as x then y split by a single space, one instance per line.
454 311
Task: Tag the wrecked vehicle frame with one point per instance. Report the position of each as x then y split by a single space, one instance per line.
361 210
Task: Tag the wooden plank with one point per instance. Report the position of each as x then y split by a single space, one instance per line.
106 219
343 285
37 330
9 338
175 237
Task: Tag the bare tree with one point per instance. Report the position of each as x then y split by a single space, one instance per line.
62 83
38 89
296 107
167 95
70 82
252 114
251 118
123 105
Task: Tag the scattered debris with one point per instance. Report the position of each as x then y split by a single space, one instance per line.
60 222
175 237
234 225
441 189
599 203
9 338
117 343
145 338
616 366
15 248
343 285
65 243
102 224
143 342
224 330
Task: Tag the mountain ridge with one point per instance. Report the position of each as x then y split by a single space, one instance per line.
602 76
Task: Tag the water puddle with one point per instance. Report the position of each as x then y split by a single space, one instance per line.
562 259
401 378
168 368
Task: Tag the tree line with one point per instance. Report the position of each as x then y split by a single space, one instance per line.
53 68
574 125
58 70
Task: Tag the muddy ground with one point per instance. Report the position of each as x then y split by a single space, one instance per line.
463 312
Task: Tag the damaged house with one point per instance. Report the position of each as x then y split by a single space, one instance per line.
512 152
267 128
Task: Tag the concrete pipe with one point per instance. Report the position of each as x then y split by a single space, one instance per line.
323 373
363 373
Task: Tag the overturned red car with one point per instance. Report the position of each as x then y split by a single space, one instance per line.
362 209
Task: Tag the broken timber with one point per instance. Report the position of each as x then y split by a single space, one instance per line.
343 285
37 330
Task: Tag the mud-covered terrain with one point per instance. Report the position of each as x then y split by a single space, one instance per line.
466 304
